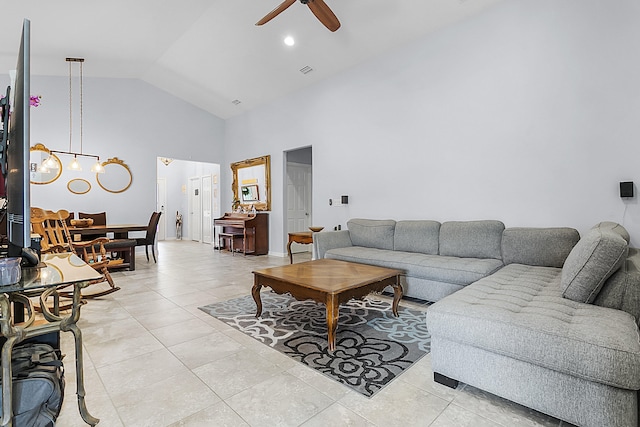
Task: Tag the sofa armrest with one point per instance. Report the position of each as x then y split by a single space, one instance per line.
324 241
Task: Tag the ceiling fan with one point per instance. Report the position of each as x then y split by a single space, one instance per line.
318 7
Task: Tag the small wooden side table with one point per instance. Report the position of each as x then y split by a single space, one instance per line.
302 237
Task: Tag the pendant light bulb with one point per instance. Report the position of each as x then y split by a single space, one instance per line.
97 167
43 168
50 163
75 165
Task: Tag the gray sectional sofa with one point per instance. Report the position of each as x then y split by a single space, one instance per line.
539 316
438 259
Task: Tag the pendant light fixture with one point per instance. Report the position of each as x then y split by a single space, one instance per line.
75 163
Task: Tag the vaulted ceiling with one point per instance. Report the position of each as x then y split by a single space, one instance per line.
209 52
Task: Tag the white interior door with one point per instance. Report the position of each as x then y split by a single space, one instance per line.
161 202
298 201
207 215
194 209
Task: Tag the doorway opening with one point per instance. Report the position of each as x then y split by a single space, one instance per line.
190 198
298 194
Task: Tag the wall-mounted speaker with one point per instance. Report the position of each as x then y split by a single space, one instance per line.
626 189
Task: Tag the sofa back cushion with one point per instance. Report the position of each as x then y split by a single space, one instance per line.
417 236
471 239
622 290
544 247
614 227
372 233
591 262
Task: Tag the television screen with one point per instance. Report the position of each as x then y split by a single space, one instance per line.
17 180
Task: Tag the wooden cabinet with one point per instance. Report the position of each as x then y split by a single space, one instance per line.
246 233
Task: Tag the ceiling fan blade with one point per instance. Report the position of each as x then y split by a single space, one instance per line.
324 14
275 12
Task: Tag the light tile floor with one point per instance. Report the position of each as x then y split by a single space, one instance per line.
153 359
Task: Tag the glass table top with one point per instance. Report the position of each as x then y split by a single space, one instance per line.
60 269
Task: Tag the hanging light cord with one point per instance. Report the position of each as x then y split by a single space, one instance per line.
70 105
81 79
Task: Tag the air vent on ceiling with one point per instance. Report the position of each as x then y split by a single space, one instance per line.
236 102
306 70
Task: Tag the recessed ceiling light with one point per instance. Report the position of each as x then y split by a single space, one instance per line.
289 41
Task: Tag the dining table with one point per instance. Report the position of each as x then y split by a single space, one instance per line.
120 231
120 243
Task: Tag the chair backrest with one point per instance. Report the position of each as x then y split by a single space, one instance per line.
69 218
99 218
51 226
153 227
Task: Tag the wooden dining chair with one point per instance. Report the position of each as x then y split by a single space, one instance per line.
150 237
56 238
69 218
99 218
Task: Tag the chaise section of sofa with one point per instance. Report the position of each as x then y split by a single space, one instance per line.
524 334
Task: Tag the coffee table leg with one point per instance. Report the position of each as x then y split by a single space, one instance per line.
333 309
255 292
397 296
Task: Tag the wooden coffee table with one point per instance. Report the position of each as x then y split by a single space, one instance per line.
330 282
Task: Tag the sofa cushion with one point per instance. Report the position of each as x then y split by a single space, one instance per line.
372 233
592 260
545 247
615 228
438 268
417 236
471 239
519 312
322 242
622 290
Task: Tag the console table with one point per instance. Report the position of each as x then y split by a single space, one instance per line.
302 237
65 269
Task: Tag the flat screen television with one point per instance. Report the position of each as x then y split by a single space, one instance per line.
17 180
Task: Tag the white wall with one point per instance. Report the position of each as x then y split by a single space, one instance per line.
124 118
527 113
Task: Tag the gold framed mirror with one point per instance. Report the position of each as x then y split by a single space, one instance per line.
79 186
252 183
116 177
44 166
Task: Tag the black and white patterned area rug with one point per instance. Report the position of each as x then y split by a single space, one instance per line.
372 345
